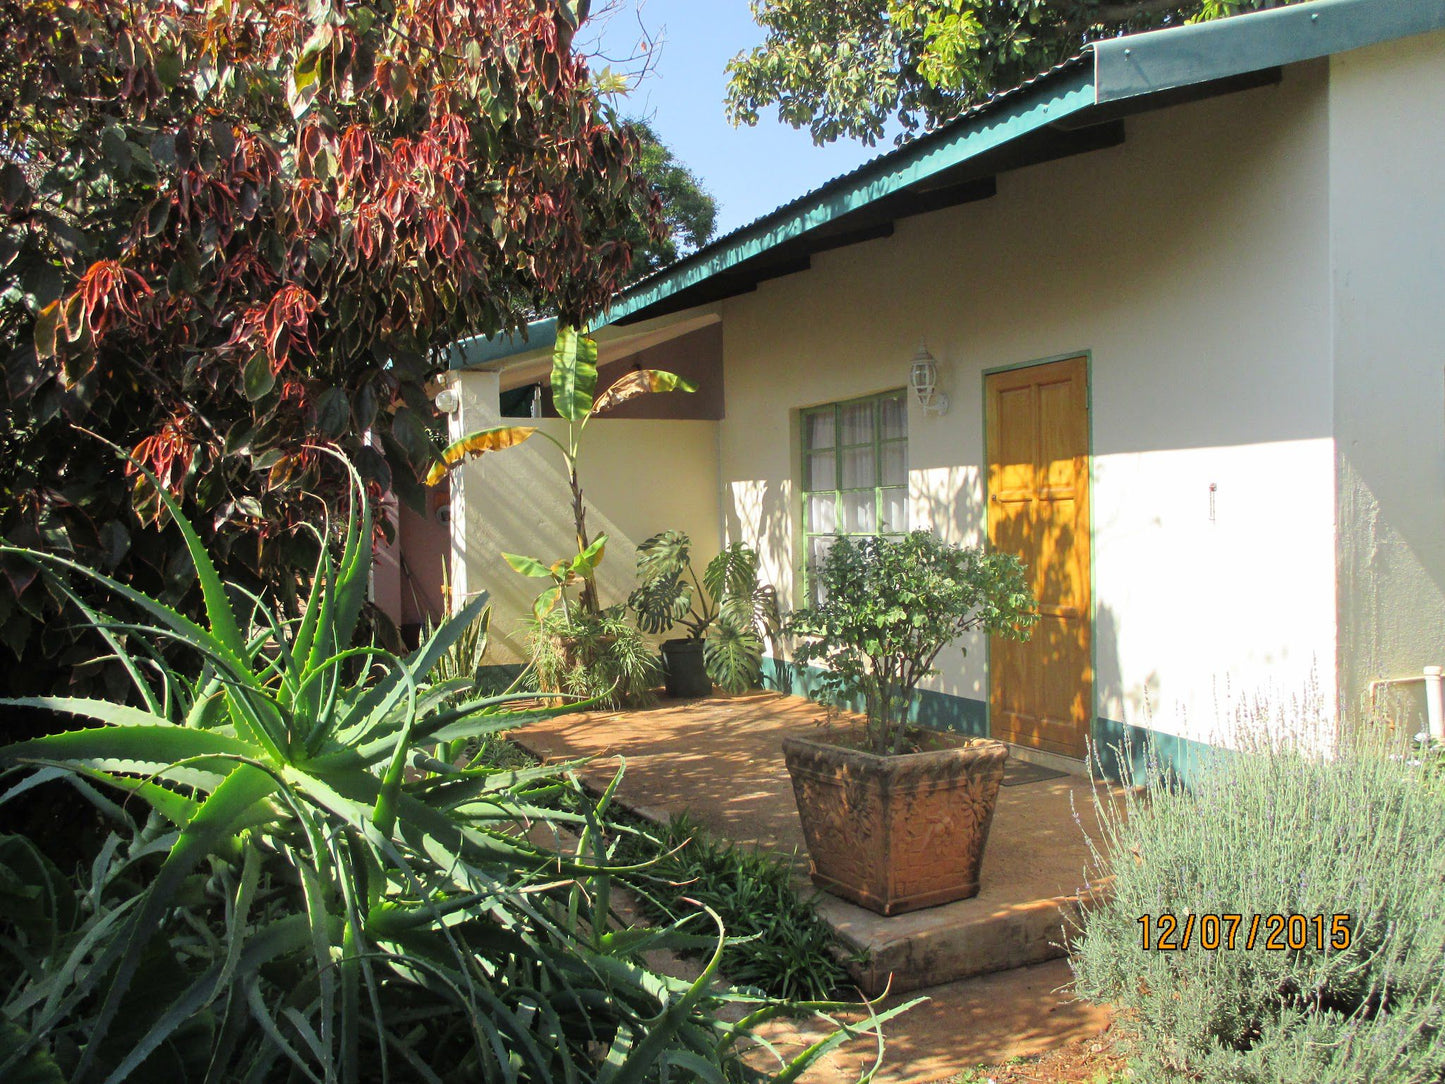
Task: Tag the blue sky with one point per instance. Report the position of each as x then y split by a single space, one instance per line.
749 170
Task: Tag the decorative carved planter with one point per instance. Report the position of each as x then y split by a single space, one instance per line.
901 833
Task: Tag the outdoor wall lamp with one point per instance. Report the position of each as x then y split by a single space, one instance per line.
923 379
447 400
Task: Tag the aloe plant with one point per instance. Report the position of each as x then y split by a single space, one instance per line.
299 888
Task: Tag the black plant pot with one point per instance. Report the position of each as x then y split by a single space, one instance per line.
686 673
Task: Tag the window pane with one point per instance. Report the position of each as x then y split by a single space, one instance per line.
822 472
858 423
817 547
895 464
860 512
894 415
858 468
895 510
822 514
818 429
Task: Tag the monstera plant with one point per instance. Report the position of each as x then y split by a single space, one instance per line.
727 613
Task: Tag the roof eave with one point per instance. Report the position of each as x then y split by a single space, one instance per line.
1137 66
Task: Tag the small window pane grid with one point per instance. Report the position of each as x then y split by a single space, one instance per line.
855 475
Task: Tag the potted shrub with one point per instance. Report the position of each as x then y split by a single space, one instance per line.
896 818
727 614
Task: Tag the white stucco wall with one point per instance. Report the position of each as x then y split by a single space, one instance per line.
1192 263
639 477
1387 228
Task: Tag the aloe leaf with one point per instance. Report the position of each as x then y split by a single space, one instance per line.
384 813
102 711
222 617
176 808
353 576
94 620
228 803
244 956
381 697
803 1061
643 1057
163 744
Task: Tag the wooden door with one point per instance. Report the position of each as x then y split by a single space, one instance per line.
1041 693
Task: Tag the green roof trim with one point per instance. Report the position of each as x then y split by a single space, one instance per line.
1032 107
1116 70
479 350
1141 64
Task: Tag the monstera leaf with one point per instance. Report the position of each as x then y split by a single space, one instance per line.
732 577
664 556
661 603
733 654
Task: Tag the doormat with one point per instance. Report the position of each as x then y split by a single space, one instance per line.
1018 772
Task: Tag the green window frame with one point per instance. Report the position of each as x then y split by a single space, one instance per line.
855 472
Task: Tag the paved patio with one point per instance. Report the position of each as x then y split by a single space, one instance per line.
721 759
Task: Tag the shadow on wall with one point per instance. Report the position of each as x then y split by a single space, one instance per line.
758 513
522 506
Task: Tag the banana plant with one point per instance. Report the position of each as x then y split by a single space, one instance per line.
563 573
574 387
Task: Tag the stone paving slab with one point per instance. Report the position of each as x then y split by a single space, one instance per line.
721 759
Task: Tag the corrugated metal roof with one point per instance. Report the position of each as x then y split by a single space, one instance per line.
1108 79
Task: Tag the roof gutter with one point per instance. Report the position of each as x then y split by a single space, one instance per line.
1142 64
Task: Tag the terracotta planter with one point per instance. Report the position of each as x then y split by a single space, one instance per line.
896 834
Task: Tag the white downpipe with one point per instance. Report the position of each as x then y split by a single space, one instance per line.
1433 678
1435 701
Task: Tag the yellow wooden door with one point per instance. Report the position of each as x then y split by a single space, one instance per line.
1041 693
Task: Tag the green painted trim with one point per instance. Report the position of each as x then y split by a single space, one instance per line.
1142 64
932 709
1129 754
1045 102
1120 752
469 353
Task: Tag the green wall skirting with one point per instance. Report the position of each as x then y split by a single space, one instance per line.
1125 752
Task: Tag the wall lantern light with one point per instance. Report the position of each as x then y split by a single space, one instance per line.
923 379
448 401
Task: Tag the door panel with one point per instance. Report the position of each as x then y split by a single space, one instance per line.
1041 692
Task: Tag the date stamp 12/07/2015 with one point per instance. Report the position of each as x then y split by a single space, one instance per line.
1273 933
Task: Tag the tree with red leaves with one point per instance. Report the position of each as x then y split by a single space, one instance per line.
235 232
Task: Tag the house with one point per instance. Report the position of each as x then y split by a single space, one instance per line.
1184 295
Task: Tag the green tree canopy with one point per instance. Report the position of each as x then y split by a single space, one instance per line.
847 68
235 234
689 211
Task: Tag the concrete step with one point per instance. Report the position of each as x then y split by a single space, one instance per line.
955 941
